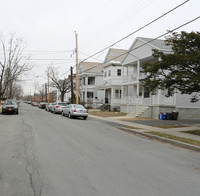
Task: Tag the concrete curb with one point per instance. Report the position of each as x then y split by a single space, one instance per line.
170 141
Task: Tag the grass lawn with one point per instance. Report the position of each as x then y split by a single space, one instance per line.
180 139
107 114
170 126
195 132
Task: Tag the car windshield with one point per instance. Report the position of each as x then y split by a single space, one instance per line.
63 104
10 102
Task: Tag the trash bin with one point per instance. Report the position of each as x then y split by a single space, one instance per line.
168 116
161 116
174 115
164 116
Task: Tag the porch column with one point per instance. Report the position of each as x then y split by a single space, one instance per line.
86 84
111 97
138 77
138 70
122 95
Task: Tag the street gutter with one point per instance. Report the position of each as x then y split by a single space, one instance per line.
162 139
144 133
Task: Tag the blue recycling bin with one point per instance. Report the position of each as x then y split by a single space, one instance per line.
164 116
160 116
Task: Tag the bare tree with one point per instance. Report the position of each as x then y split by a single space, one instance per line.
41 90
63 85
17 90
13 64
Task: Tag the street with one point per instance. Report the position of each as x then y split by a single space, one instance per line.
43 154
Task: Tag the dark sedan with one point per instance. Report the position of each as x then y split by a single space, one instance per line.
10 106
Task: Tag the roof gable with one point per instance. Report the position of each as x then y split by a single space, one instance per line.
90 67
142 48
115 55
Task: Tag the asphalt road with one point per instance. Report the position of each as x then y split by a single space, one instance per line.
43 154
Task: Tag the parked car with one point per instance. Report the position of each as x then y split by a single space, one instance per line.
50 106
10 106
75 110
42 105
58 106
34 103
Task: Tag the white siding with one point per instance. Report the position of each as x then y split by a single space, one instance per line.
184 101
139 53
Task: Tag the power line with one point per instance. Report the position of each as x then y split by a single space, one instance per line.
138 29
58 63
120 19
170 31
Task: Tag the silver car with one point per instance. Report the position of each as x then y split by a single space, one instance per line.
57 107
75 110
48 107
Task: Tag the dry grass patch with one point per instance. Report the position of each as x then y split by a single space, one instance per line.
107 114
129 127
128 119
180 139
194 132
169 126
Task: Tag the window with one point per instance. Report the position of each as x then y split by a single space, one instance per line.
146 92
140 91
105 74
91 81
118 94
109 72
89 94
119 72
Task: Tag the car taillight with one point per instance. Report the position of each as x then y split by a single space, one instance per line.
57 106
74 110
86 111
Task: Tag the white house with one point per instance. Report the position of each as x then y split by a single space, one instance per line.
137 100
112 77
90 76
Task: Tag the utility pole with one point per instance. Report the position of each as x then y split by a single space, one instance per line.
72 87
77 77
48 84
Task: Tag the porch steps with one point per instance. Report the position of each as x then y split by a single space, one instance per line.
138 111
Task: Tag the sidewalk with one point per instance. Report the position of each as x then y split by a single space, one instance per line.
142 129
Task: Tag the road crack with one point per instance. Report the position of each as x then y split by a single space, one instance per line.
32 166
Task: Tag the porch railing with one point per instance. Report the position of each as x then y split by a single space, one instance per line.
142 101
130 78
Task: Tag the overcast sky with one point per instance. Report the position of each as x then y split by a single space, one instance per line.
48 27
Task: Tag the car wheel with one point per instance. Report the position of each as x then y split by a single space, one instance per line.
69 115
63 113
85 117
17 112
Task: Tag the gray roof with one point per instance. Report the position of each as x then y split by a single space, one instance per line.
158 43
115 55
91 67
